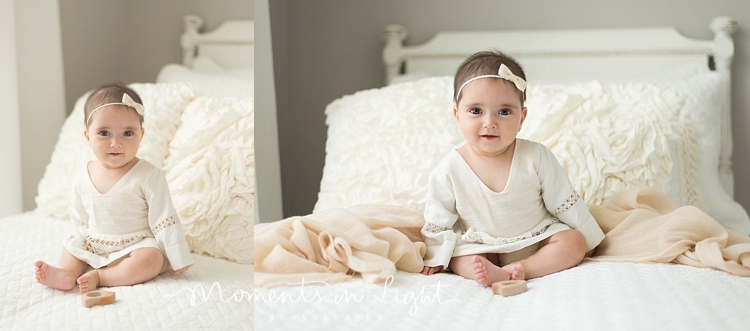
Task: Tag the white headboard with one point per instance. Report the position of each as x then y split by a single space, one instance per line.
231 45
564 56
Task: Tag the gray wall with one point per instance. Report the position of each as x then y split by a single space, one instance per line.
325 49
41 96
268 196
130 40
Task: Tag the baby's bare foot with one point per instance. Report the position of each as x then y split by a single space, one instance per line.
88 281
486 273
516 271
53 277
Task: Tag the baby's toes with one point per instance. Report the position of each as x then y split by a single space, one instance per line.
519 273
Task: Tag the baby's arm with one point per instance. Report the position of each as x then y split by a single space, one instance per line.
440 215
78 215
165 223
564 203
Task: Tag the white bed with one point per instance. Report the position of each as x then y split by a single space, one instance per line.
382 144
192 125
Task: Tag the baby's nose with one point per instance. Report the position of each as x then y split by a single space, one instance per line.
115 143
489 122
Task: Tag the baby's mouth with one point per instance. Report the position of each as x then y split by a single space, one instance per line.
488 136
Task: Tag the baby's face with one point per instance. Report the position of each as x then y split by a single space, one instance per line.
489 115
114 135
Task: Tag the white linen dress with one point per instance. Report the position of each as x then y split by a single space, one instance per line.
137 212
464 217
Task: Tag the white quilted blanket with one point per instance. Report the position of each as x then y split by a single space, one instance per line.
213 294
592 296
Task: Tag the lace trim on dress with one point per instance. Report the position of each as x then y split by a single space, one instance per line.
434 228
476 237
572 199
87 247
88 242
167 222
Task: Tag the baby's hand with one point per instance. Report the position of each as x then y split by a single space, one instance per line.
432 270
180 271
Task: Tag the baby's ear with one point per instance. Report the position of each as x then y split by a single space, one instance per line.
523 118
455 112
86 134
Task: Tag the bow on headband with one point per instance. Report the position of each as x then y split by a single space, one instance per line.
504 73
126 101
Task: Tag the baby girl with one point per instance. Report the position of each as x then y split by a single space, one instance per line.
499 207
124 223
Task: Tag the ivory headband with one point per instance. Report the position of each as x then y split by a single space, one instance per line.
126 101
504 73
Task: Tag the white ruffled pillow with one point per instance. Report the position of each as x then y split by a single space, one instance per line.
608 138
210 170
164 104
705 91
383 143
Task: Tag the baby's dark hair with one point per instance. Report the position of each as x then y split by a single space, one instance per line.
486 63
108 93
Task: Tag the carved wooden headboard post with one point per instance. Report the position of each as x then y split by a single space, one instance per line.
394 36
723 28
188 40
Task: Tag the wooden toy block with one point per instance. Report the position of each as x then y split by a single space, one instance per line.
509 287
99 298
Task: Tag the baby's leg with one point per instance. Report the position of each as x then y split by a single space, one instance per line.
62 277
139 266
562 250
478 268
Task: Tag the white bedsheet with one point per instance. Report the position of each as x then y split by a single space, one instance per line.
213 294
592 296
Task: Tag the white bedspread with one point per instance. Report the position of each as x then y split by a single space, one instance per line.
213 294
592 296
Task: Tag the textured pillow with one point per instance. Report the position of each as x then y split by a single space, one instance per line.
383 143
164 104
704 91
608 138
210 170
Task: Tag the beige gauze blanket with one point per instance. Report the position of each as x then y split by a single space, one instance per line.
644 225
330 246
641 225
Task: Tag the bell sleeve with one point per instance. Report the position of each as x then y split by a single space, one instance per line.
76 243
440 217
79 218
562 200
165 223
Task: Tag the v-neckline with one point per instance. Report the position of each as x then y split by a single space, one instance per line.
476 177
91 182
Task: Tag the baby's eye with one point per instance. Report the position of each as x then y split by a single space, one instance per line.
505 111
475 111
128 133
104 133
